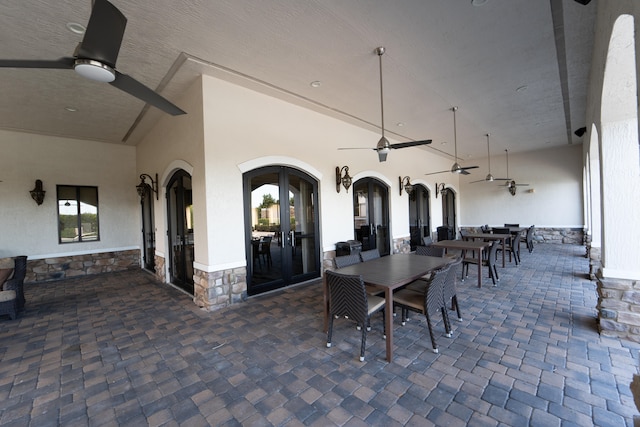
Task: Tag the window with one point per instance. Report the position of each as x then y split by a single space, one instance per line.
77 214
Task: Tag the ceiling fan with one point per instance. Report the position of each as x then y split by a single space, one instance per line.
489 177
456 168
511 184
95 57
383 145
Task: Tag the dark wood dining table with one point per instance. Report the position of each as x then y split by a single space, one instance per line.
388 273
466 245
490 236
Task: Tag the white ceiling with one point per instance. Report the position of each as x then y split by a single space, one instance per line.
439 54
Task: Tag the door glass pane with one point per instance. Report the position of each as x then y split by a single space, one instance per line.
381 218
266 236
148 230
180 206
363 231
302 226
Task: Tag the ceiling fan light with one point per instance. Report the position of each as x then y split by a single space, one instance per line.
489 178
94 70
456 168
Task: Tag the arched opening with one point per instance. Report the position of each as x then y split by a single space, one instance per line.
181 226
419 215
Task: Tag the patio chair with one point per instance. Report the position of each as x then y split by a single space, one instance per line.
8 302
529 238
16 283
450 290
348 298
430 251
265 250
513 247
427 302
369 255
489 261
346 260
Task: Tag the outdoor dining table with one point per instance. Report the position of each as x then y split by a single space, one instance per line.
466 245
388 273
490 236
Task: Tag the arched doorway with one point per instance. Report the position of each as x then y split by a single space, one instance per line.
448 215
180 219
371 215
282 228
419 215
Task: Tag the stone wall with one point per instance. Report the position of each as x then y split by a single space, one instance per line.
219 289
40 270
572 236
159 268
619 308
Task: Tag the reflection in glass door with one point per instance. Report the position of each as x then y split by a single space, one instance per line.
371 215
281 221
449 210
419 218
148 230
180 215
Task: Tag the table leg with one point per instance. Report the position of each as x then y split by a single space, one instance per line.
388 311
480 267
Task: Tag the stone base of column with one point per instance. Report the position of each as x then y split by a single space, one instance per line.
619 308
218 289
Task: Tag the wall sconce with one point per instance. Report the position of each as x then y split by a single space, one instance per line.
512 187
141 188
345 179
37 193
440 189
406 184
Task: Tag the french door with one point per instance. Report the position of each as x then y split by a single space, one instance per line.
281 228
371 215
419 216
449 210
180 216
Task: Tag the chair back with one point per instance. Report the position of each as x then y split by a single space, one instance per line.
345 260
500 230
493 252
434 291
430 251
515 242
20 268
427 240
449 287
512 225
347 296
530 234
485 228
369 255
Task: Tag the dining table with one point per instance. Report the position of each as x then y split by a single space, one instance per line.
466 245
388 273
490 236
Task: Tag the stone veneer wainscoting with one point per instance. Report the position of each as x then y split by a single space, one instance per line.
218 289
618 305
41 270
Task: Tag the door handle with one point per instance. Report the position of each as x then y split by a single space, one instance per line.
282 238
292 238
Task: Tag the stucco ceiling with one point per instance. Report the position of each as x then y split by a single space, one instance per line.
439 54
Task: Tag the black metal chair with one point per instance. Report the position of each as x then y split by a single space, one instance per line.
513 247
489 261
265 250
346 260
348 298
369 255
512 225
485 228
427 302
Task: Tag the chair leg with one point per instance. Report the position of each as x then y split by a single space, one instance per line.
329 331
447 324
433 340
364 342
454 304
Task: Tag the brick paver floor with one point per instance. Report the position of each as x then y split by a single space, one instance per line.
123 349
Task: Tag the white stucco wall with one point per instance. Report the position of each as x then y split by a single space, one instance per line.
29 229
552 199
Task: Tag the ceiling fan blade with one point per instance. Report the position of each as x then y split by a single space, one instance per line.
434 173
104 33
410 144
469 167
61 64
464 172
133 87
480 180
357 148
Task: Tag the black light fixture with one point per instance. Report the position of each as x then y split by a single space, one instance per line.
345 179
37 193
580 132
142 187
440 188
406 184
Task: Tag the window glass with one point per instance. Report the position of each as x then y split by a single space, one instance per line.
77 214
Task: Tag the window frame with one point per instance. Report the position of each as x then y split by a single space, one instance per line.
77 189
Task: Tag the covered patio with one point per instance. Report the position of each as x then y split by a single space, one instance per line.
124 349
